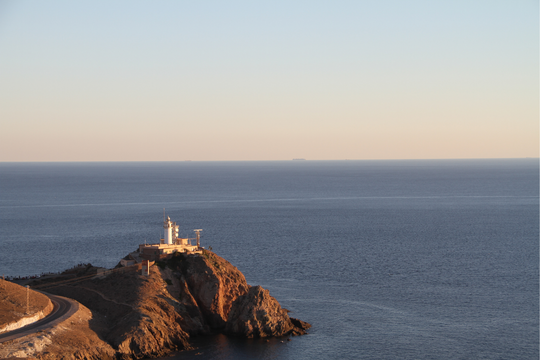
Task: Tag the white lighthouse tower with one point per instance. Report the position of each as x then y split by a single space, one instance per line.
168 226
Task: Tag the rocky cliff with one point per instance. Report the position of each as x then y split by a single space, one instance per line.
184 296
257 314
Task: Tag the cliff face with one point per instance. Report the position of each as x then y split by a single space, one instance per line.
184 296
257 314
213 284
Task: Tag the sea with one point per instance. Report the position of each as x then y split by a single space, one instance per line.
404 259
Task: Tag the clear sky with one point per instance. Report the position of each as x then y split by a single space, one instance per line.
274 80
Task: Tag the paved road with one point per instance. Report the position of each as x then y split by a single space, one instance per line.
63 309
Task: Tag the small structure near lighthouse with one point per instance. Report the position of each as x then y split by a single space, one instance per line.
145 270
170 244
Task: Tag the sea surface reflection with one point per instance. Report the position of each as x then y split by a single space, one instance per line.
217 347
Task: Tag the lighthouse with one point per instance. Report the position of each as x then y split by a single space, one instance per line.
168 226
170 243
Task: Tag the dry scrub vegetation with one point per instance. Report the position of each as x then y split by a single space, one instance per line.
13 302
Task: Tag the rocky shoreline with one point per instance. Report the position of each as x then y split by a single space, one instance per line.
135 316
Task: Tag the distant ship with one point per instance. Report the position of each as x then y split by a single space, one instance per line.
299 159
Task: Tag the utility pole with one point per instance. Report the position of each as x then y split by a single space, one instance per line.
27 298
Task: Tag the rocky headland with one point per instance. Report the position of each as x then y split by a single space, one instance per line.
130 316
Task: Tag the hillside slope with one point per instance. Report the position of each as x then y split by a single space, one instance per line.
13 306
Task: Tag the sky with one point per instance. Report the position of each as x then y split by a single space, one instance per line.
275 80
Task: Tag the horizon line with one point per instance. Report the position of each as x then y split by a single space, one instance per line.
282 160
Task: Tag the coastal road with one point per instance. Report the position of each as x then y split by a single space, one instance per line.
63 309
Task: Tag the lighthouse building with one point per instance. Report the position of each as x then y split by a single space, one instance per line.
170 244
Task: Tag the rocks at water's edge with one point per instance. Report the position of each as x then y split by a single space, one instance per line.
257 314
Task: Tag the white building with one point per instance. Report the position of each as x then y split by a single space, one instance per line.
170 243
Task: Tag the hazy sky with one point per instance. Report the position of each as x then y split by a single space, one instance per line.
275 80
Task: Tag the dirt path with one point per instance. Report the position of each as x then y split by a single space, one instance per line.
105 297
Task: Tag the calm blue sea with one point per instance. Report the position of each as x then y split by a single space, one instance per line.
415 259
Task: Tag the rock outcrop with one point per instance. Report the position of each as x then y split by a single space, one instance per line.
257 314
212 284
184 296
